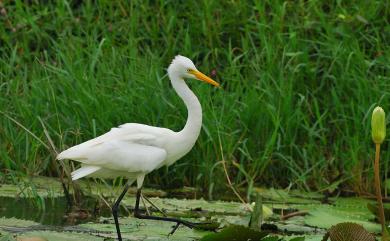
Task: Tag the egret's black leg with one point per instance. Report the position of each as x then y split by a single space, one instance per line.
115 210
137 214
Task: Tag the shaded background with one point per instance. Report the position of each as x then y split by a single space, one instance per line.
300 79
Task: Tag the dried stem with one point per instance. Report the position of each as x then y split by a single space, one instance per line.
230 183
294 214
153 205
227 174
146 207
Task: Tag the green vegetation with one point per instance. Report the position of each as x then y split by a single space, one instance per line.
300 79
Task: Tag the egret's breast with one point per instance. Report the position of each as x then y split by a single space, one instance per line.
177 150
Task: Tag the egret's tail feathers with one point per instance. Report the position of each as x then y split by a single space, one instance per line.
70 154
60 156
84 171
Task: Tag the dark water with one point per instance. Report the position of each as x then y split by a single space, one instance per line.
52 211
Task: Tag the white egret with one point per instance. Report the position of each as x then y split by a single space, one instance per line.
134 150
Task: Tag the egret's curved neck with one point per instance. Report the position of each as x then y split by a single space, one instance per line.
194 120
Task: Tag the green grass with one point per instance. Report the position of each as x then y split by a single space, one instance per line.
299 78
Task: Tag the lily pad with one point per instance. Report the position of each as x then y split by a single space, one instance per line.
173 204
25 230
326 216
235 233
14 222
271 238
60 236
289 197
297 226
31 238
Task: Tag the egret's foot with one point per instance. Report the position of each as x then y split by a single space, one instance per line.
183 222
189 225
208 226
138 214
174 229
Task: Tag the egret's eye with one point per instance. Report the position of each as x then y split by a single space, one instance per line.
188 70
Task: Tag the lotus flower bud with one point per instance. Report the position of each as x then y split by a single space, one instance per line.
378 125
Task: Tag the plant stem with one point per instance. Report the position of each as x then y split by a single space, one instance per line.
381 212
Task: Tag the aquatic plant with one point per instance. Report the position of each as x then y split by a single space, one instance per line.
378 132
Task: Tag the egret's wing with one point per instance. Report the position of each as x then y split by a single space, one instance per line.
132 153
125 156
129 148
83 150
130 132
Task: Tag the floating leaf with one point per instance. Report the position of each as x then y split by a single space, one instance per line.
374 210
344 210
210 226
30 239
298 239
386 234
235 233
271 238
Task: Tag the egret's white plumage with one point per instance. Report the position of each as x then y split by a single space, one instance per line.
133 150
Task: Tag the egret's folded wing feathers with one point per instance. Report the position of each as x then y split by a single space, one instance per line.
129 148
77 152
124 156
133 153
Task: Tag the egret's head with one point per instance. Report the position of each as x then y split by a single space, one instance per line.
184 68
